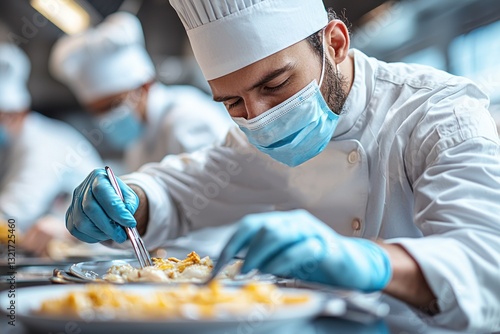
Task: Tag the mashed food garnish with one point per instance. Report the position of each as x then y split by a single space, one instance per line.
107 301
191 269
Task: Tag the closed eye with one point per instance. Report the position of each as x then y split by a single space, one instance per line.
278 87
233 105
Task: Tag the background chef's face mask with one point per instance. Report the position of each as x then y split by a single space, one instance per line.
297 129
121 126
4 137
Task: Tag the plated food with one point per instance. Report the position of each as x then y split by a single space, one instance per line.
191 269
187 301
152 308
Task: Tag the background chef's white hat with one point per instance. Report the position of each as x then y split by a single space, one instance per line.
14 74
108 59
227 35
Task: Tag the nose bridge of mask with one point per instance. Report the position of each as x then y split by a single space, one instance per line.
119 112
278 111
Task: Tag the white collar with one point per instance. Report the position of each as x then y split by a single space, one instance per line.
361 91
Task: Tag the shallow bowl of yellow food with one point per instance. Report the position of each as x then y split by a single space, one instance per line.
185 308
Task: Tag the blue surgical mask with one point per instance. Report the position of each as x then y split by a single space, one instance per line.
4 137
121 126
296 130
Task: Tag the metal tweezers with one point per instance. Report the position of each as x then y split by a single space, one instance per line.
137 244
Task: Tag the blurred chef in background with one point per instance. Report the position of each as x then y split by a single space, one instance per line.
41 159
113 76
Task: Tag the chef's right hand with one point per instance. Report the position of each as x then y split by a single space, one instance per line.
97 213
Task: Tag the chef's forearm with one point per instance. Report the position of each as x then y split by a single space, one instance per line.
408 282
141 215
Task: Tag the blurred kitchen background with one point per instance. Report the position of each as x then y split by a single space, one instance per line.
458 36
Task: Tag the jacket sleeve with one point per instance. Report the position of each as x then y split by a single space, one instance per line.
43 168
28 189
453 164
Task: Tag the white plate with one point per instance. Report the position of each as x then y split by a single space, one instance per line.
27 300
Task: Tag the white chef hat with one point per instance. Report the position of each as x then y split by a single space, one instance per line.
14 74
102 61
227 35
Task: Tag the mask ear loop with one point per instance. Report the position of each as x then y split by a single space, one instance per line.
337 67
324 59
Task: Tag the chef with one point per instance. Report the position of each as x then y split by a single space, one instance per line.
346 170
41 159
113 76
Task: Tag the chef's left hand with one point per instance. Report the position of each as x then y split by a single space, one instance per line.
297 244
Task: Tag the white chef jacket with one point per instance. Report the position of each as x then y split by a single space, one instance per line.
179 119
45 162
415 160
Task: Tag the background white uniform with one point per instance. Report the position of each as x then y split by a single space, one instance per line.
44 163
415 159
179 119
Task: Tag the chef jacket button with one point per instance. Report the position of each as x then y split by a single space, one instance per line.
356 224
353 157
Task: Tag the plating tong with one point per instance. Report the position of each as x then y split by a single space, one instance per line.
137 244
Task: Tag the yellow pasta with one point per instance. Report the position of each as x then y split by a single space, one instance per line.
185 301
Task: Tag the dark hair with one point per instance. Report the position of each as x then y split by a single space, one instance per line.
315 40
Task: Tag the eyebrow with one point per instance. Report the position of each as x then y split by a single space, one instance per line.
265 79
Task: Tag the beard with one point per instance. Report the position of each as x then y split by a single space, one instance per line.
335 87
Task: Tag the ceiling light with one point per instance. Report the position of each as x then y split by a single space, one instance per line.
67 15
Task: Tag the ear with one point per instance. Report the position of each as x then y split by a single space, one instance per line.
143 102
337 41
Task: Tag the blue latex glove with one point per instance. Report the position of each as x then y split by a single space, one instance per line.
97 213
296 244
